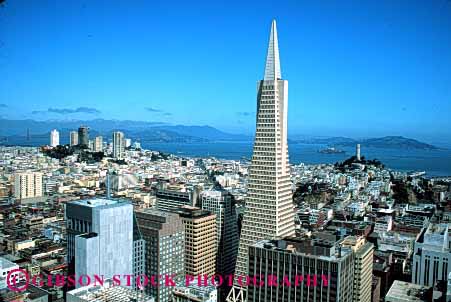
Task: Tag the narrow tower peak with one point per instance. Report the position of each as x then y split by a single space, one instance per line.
272 69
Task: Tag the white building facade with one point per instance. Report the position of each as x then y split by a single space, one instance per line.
54 138
118 145
269 204
100 237
432 255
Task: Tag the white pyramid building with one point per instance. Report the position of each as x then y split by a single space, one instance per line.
269 202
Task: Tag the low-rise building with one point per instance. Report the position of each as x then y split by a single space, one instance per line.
402 291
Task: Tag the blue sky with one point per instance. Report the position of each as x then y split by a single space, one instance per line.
355 68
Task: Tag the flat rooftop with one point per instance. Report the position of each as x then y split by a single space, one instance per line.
437 229
96 202
405 291
193 212
5 263
212 193
109 293
155 212
323 249
436 235
194 292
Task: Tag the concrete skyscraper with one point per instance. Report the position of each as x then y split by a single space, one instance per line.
118 145
164 235
315 270
73 138
432 255
172 197
54 138
99 237
363 268
221 203
98 144
269 202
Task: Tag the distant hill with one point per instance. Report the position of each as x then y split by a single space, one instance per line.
19 127
396 142
205 132
333 141
15 131
387 142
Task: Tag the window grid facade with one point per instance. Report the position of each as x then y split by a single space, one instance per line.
269 204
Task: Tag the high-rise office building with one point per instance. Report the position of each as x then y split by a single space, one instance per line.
164 235
83 136
309 270
171 198
27 185
448 291
139 253
200 241
118 145
73 139
54 138
99 237
221 203
363 267
269 203
91 145
432 255
98 144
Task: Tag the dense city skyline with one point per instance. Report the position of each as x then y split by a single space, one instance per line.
104 198
385 69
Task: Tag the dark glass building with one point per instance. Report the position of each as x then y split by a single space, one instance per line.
164 235
83 136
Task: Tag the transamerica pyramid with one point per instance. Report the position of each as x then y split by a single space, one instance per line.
269 202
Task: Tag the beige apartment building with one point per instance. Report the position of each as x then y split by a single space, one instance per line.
28 185
200 241
363 267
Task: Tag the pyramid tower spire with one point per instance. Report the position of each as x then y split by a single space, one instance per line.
272 69
269 212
